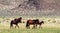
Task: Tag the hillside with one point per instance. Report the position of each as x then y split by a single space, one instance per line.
29 7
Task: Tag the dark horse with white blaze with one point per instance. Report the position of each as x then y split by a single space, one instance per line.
34 22
15 22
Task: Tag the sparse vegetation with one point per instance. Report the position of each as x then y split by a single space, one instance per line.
45 30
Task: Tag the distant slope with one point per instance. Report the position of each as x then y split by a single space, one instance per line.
29 7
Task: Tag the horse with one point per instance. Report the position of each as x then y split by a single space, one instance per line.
15 22
40 23
31 22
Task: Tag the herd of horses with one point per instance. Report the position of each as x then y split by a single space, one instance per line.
29 22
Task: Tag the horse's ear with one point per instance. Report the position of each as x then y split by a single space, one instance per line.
20 17
43 21
37 19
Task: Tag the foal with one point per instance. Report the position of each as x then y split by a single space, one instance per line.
40 23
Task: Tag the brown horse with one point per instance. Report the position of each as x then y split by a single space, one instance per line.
15 22
31 22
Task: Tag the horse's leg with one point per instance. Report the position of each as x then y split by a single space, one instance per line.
16 26
11 25
33 26
29 26
40 26
36 26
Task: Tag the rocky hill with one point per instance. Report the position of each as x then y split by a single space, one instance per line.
29 7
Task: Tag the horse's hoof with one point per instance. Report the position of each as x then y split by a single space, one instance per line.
23 22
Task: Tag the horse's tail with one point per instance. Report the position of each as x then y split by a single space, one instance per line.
27 24
11 24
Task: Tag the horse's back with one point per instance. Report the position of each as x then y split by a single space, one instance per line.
30 21
33 21
36 21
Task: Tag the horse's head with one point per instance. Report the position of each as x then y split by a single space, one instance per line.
20 19
36 19
42 22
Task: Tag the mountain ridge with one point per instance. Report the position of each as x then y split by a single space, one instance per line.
29 7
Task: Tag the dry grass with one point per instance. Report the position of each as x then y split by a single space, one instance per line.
48 27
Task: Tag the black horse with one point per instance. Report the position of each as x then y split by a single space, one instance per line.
34 23
15 22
